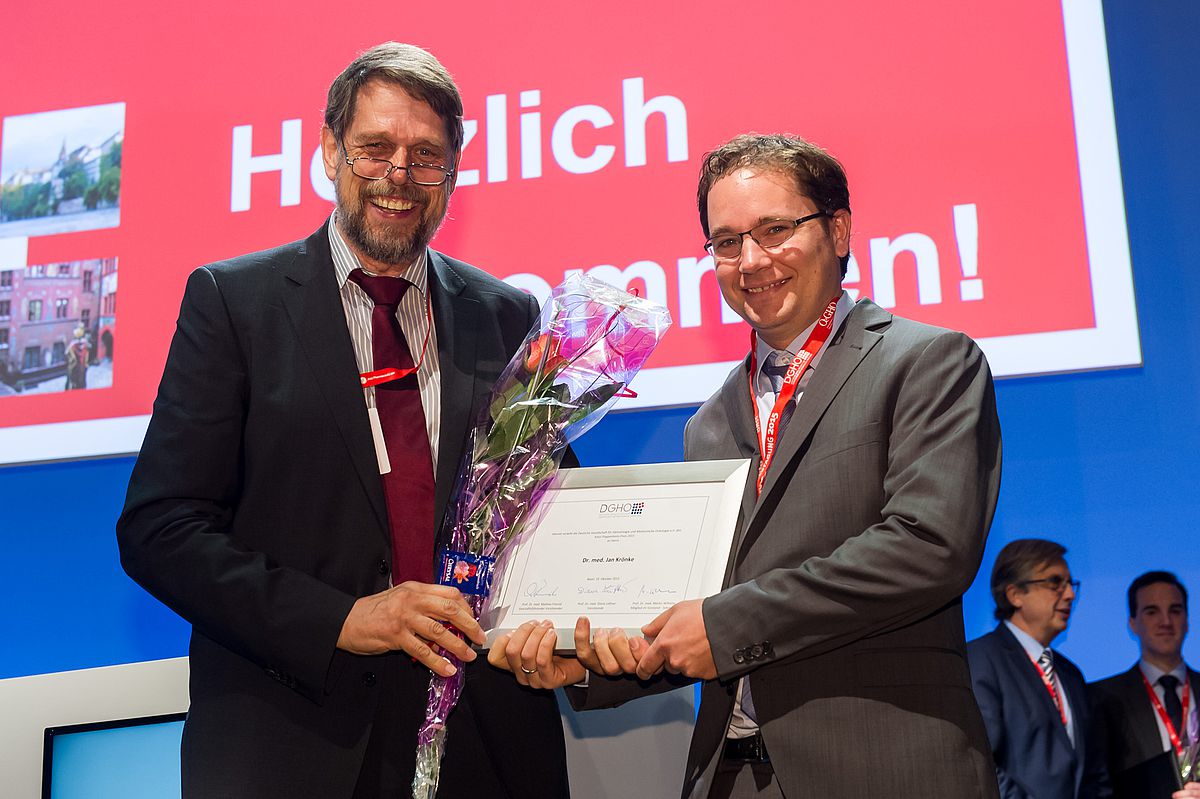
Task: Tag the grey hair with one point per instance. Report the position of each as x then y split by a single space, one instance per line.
413 69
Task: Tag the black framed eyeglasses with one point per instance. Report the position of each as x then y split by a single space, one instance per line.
369 168
728 246
1056 584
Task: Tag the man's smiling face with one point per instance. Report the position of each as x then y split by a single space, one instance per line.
388 222
782 290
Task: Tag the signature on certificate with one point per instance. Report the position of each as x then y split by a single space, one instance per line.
655 590
541 588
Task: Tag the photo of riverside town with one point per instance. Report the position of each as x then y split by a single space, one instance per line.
57 326
60 171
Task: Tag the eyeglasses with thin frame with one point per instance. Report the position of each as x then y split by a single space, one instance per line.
369 168
1056 584
728 246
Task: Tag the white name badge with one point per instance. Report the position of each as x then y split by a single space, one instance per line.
381 455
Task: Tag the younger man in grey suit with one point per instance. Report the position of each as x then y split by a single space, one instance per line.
833 662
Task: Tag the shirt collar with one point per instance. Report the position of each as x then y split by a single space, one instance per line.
345 261
763 350
1030 644
1153 672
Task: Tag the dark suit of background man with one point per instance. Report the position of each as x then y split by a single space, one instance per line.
833 661
258 508
1034 700
1135 735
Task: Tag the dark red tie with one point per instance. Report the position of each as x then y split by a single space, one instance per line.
408 487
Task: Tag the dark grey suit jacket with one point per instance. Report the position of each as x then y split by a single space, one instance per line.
1128 732
256 511
843 605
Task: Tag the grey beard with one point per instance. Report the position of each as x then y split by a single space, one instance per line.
394 252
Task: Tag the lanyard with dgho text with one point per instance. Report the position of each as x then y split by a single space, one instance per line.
791 379
1172 733
1062 711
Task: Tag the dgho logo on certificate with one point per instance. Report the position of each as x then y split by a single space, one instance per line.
610 510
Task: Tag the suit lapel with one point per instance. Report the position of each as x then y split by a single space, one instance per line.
1027 669
1077 700
858 335
1139 714
311 300
455 316
739 414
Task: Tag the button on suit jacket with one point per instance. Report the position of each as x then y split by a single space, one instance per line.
843 598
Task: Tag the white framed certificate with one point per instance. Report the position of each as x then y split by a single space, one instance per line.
619 544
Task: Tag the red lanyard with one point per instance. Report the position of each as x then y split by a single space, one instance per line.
375 378
791 379
1172 733
1062 712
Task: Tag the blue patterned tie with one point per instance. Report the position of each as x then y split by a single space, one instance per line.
775 367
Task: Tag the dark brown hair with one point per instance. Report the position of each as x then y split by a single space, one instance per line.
408 66
1151 578
818 175
1016 563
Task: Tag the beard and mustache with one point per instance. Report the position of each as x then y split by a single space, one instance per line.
394 247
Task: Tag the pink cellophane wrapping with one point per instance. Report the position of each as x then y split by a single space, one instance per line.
590 341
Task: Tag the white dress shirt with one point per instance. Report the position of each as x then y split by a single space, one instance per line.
1152 673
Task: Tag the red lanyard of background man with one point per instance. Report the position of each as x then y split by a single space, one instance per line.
389 374
1062 712
1172 733
790 380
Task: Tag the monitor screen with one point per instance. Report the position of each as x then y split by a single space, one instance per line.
130 758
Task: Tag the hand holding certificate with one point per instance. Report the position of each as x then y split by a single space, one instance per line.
588 344
632 548
619 545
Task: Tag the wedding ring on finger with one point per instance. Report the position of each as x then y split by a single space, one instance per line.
528 671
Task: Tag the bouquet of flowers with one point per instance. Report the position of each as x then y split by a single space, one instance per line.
590 341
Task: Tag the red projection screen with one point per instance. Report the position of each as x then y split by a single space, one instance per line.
143 142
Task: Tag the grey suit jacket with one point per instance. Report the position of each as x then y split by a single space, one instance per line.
1128 732
843 605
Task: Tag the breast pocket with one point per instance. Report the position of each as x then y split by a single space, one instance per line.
872 433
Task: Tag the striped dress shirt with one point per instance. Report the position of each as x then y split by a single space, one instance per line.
412 317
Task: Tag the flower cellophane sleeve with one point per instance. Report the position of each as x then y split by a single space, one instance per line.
589 342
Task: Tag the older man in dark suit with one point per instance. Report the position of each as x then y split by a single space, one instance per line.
1034 698
833 661
1142 715
296 471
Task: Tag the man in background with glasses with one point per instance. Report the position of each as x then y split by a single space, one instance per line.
1146 717
833 661
1034 700
288 498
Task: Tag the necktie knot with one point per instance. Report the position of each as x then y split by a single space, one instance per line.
775 367
386 291
1171 703
1046 663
